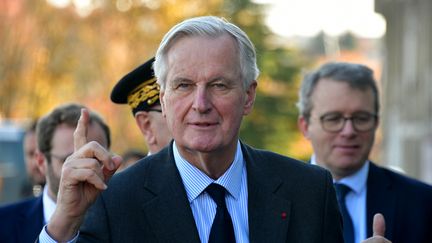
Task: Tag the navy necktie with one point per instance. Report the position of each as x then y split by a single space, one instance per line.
222 230
348 228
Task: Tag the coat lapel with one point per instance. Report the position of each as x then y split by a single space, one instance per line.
169 213
380 198
269 214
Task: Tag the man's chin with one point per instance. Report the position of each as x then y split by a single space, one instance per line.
348 164
200 147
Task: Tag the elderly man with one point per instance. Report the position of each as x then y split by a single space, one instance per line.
339 114
206 186
23 221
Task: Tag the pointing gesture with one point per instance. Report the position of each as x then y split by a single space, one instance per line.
80 134
84 176
109 165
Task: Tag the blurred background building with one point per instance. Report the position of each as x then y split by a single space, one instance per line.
12 168
407 86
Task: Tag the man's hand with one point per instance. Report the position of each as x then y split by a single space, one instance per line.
378 228
84 176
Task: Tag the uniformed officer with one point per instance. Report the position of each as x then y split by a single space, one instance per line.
140 91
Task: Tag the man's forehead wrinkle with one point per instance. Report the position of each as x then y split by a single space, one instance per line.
204 74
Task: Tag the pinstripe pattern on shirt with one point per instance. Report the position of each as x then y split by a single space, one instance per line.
204 208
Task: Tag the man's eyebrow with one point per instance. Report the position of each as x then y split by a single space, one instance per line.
226 80
218 79
332 113
180 80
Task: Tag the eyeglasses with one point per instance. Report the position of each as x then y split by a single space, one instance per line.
361 121
60 158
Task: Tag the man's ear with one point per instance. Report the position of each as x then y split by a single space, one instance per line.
143 121
303 126
250 98
377 122
162 102
40 162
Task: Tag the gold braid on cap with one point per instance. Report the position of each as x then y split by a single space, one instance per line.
147 91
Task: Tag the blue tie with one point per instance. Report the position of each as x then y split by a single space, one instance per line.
222 230
348 228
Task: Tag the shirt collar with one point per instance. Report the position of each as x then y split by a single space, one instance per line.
356 181
49 205
196 181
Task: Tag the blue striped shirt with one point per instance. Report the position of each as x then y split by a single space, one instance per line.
204 208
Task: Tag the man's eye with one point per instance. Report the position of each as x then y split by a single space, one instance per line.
219 85
332 118
361 118
183 85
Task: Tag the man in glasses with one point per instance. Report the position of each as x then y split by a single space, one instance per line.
140 91
339 107
23 221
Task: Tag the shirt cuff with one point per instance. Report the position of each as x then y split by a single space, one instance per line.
44 237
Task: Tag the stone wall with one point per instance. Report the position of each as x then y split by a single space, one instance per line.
407 86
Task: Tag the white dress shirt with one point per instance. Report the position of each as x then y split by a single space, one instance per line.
48 204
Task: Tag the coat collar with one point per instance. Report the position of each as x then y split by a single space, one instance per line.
380 198
168 213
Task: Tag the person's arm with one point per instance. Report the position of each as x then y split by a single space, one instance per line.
44 237
84 176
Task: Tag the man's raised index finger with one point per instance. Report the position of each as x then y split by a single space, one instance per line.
80 134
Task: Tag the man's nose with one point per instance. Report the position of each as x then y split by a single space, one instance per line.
202 100
348 128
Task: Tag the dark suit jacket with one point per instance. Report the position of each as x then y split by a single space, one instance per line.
148 203
22 221
405 203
